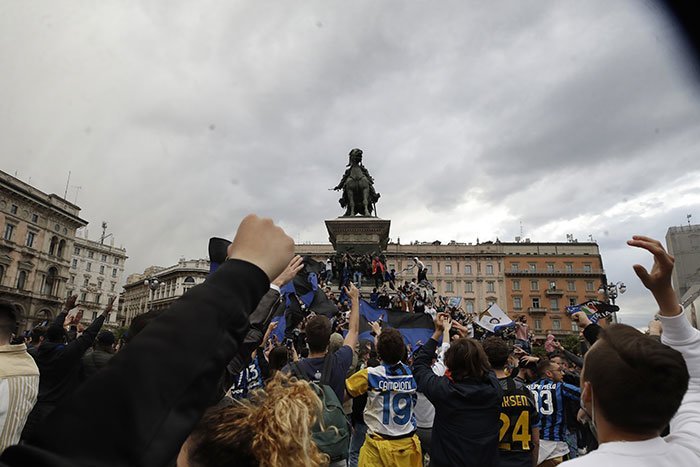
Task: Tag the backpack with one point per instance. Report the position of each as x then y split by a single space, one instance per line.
331 433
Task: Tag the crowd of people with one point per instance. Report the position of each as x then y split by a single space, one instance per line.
208 382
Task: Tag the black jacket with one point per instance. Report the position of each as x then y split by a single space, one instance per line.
140 408
465 430
60 364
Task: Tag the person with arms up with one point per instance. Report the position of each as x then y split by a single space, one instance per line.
519 436
60 364
19 380
633 386
391 397
467 402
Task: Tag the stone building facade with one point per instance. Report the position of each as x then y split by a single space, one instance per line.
684 244
173 282
38 233
96 275
537 280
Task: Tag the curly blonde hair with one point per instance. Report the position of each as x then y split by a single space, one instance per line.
270 429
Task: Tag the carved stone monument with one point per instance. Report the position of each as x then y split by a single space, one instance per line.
359 230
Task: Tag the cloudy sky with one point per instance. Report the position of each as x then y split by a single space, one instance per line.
178 118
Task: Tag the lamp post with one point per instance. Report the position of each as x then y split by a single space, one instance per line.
153 284
611 292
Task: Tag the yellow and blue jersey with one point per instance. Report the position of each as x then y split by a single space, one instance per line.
391 398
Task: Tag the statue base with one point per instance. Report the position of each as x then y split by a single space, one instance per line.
358 235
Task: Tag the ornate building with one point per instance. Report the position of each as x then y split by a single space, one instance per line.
165 285
96 274
38 232
535 279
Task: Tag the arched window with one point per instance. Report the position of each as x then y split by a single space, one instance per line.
51 282
61 248
189 280
21 280
53 245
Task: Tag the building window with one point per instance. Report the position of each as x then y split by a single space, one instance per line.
91 254
556 324
532 267
468 269
30 239
88 267
9 230
554 303
534 285
2 273
35 218
535 302
449 287
470 306
83 296
72 278
116 262
99 284
114 273
517 303
490 286
98 297
76 251
86 282
51 281
74 265
569 267
550 267
571 286
587 267
538 324
469 286
572 301
21 280
102 269
574 326
104 258
489 269
514 267
113 286
516 285
13 209
448 269
589 286
552 285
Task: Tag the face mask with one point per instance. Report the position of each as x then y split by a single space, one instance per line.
591 416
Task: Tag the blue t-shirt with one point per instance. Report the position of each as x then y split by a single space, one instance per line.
312 368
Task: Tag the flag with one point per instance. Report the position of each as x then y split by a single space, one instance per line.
416 328
494 319
594 309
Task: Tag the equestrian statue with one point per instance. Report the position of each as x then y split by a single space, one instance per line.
359 197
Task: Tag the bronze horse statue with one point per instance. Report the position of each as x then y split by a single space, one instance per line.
359 197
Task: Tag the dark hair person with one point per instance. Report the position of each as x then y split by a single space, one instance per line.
467 401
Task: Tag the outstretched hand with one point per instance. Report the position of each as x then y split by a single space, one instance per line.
294 266
352 292
70 302
658 281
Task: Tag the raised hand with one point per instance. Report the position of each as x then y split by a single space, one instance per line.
261 242
659 278
376 327
581 318
294 266
70 303
658 281
352 292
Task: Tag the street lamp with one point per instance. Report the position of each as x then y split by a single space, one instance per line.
153 284
611 292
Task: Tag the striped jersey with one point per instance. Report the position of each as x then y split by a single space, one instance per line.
19 386
391 398
249 379
549 398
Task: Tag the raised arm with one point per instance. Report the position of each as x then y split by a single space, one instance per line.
678 334
67 306
354 318
86 339
158 387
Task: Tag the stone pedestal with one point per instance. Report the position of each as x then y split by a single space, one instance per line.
358 234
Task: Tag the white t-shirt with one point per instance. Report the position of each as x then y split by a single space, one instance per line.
424 410
681 447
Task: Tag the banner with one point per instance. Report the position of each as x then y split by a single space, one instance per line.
594 309
494 319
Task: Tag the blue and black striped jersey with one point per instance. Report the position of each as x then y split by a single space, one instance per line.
549 398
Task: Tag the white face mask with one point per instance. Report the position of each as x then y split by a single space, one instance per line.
591 416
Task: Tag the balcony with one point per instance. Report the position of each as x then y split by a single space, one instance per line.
579 272
536 310
555 292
